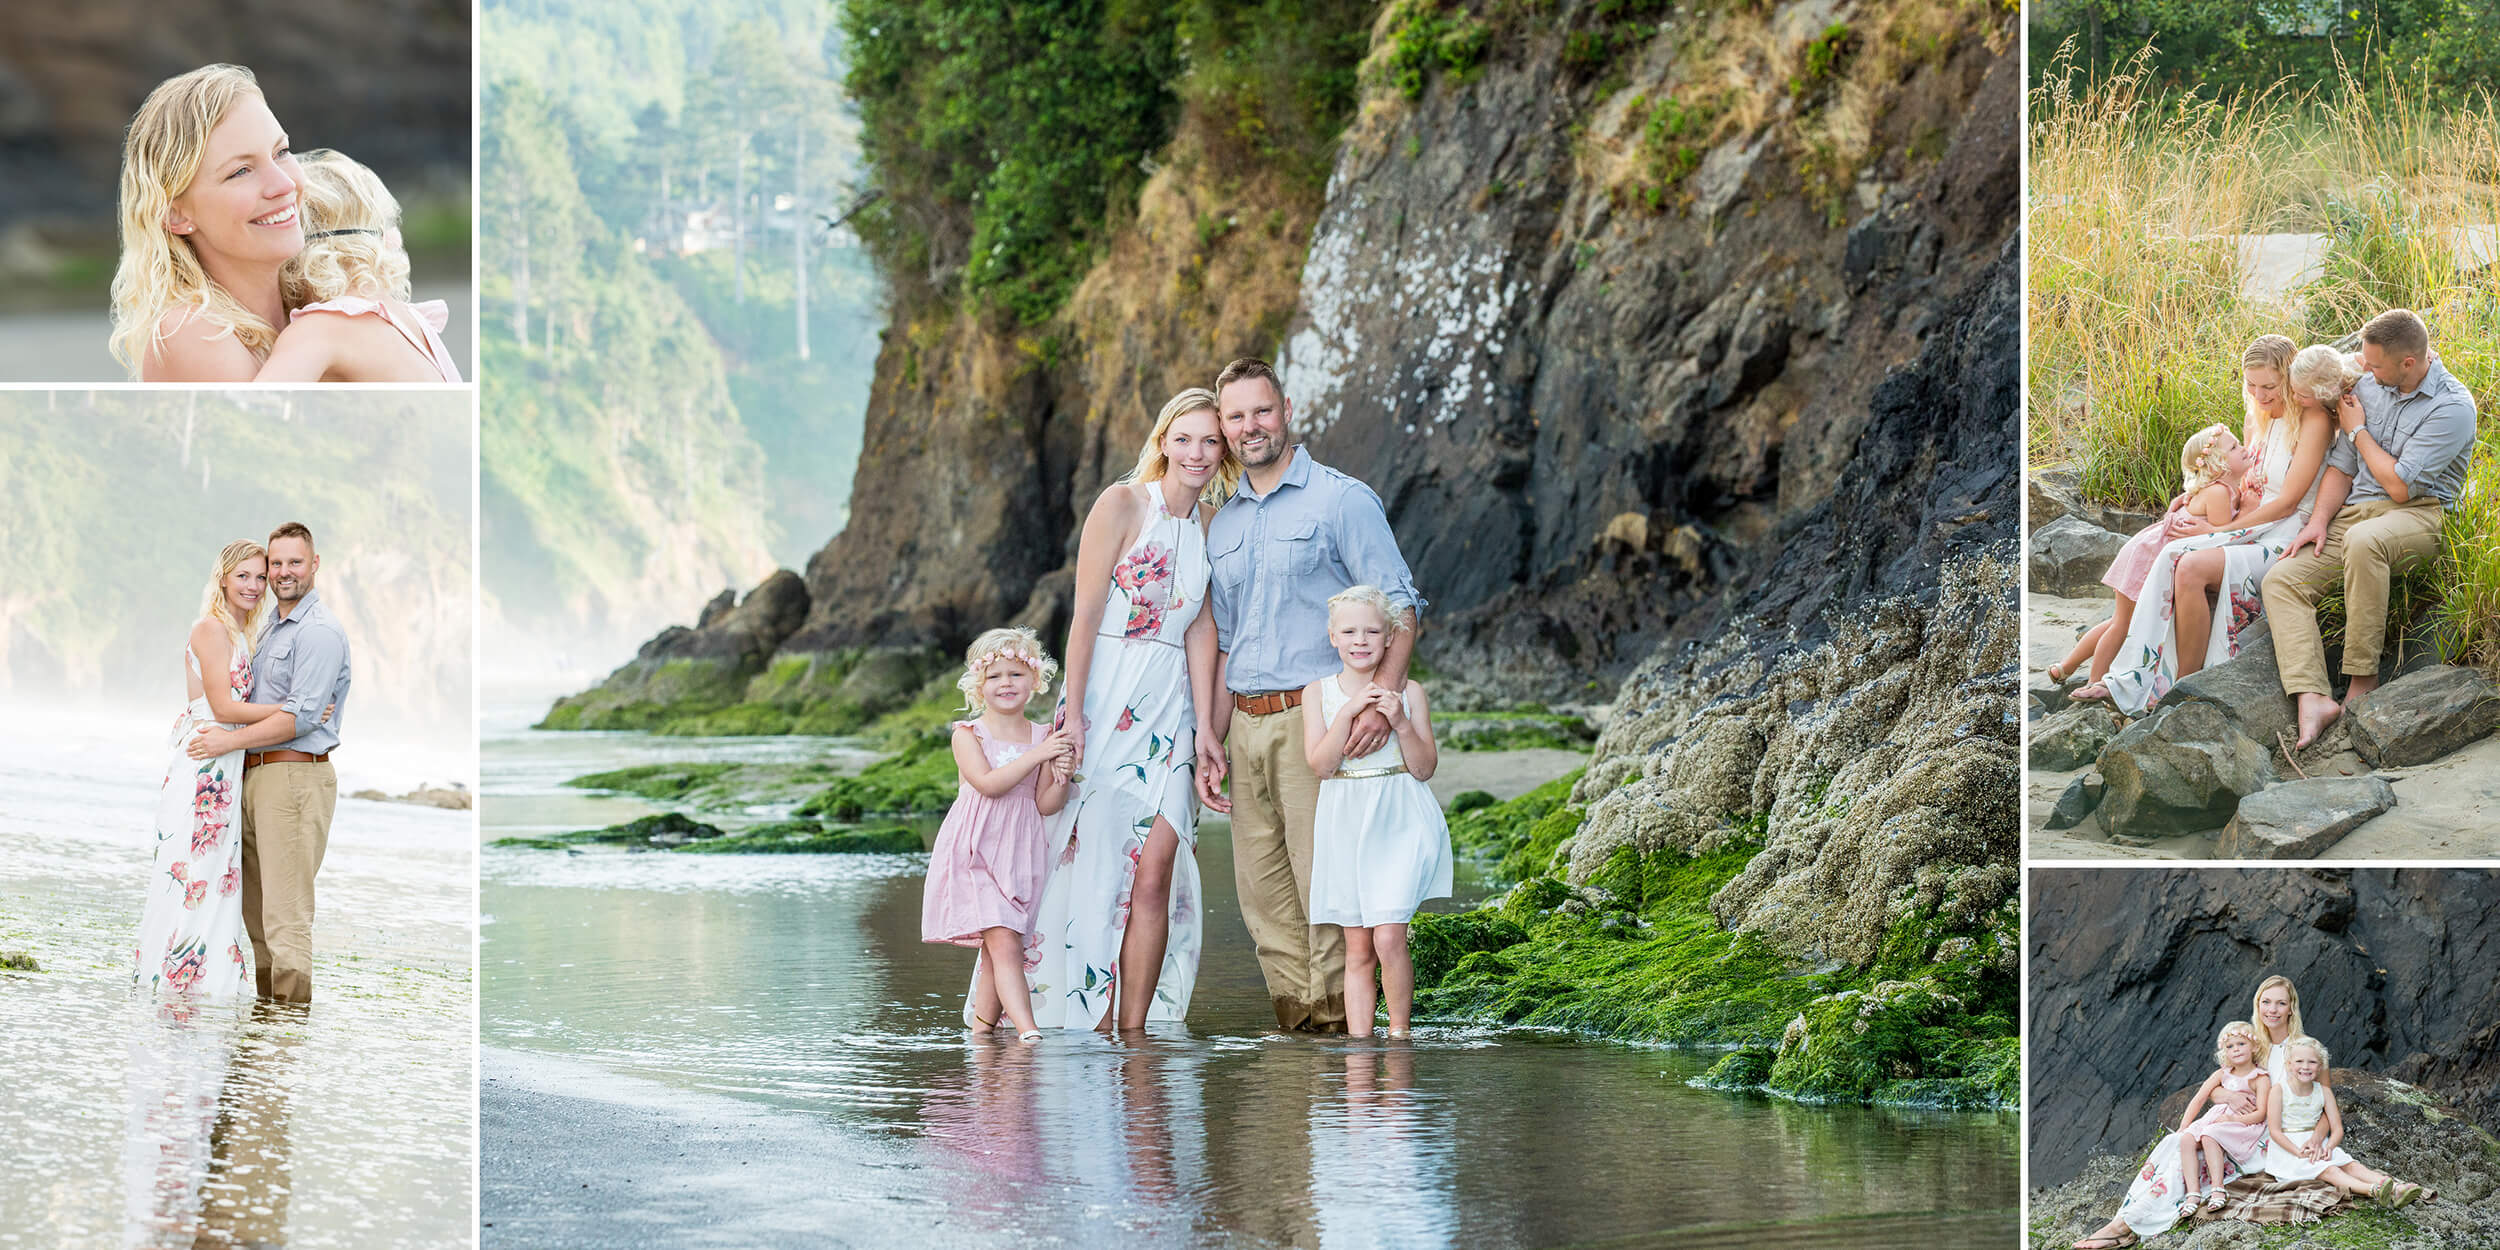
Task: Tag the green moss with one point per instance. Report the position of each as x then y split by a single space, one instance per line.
637 832
1501 836
1747 1067
1824 58
1470 800
533 844
18 961
561 716
1510 731
659 782
918 780
1635 952
742 719
805 837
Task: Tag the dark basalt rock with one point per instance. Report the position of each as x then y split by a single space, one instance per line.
2422 716
2073 738
2068 557
2132 971
2075 803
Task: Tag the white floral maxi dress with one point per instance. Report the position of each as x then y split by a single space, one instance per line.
1140 762
191 923
2153 1197
2147 665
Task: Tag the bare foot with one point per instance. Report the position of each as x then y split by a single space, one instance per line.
2316 713
2059 672
2359 687
2111 1234
2095 693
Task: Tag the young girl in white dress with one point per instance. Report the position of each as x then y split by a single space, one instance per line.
2304 1128
1379 847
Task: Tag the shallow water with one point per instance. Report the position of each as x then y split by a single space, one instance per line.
345 1123
739 1050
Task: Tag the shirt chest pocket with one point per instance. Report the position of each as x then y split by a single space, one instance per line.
1229 556
1303 547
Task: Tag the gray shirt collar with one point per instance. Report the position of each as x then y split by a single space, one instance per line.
1297 473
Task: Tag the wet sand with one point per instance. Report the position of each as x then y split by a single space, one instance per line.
2446 809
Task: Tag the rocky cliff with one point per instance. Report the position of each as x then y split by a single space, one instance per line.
1621 337
2132 972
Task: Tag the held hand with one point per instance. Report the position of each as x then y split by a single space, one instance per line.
2187 525
2240 1100
1211 770
1371 729
1392 706
209 743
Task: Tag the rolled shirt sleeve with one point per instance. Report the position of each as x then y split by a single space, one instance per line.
320 661
1369 547
2438 445
2342 457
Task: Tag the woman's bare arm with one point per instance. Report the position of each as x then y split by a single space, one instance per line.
216 652
1109 529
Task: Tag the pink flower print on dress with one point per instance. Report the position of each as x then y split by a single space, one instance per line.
232 881
184 965
194 894
205 834
1128 720
235 950
179 870
1067 854
1145 619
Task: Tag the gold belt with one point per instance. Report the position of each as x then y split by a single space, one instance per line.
1358 774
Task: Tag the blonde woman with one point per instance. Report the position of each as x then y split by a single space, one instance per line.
348 289
191 927
2202 593
208 219
1122 917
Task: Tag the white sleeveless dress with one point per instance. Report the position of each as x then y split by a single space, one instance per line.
1379 846
2147 664
2303 1118
191 925
1140 764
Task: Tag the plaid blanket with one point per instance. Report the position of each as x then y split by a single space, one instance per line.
2261 1199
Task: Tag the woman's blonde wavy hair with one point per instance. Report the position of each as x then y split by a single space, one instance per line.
2290 1021
2266 351
1152 464
351 234
213 605
158 271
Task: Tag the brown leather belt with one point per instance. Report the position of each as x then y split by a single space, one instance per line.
254 759
1267 704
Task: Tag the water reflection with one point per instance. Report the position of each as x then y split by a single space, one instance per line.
1380 1158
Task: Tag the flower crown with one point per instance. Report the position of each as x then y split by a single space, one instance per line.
1018 654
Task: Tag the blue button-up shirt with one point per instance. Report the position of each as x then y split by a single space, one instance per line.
2429 430
301 663
1278 558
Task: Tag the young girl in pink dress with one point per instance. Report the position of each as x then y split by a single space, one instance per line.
986 871
2165 1191
348 289
2223 481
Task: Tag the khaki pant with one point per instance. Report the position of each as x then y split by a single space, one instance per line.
286 827
1275 795
2366 544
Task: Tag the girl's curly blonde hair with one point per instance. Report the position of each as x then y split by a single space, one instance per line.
158 271
2312 1045
1369 596
2323 374
1013 642
351 234
2242 1028
2198 465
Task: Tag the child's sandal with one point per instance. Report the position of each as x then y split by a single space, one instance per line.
1029 1035
2215 1199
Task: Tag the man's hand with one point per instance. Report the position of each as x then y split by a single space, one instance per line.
2312 534
2348 413
1371 730
210 743
1211 771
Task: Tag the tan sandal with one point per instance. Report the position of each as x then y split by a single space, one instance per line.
2109 1241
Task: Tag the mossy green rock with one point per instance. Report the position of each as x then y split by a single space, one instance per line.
806 838
918 780
1745 1068
18 961
658 782
1516 840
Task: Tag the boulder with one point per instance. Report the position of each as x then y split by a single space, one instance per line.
2073 738
2418 718
2068 556
2247 689
2180 770
2301 819
2051 696
2054 494
2081 796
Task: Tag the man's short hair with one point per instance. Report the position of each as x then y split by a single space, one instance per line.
292 529
2399 331
1248 367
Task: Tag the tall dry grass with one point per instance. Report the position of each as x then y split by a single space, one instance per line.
2139 205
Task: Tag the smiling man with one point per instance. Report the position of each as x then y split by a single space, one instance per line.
289 790
2399 458
1296 533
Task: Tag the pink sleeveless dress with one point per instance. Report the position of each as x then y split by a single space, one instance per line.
421 324
986 870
